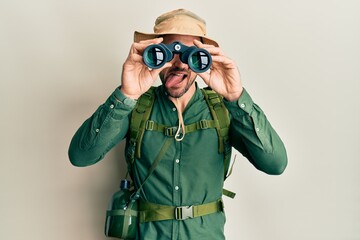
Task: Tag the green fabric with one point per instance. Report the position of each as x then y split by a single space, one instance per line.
154 164
192 171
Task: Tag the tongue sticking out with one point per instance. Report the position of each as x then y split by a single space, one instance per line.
174 80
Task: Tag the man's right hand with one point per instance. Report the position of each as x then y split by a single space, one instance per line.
136 77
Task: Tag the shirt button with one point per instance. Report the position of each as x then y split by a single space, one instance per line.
112 106
97 130
257 129
242 105
174 109
176 188
177 160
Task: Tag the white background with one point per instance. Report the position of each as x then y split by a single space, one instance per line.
59 60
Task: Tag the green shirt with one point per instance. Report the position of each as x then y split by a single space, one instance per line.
192 170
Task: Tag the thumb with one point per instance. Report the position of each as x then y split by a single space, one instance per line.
206 77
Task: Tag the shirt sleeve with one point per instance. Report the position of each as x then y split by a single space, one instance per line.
102 131
254 137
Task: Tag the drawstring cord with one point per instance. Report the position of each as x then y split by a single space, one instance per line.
180 133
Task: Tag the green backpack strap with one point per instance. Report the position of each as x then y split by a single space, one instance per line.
139 117
222 124
171 130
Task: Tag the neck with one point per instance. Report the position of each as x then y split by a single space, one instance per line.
183 101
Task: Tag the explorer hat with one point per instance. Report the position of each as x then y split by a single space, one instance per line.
181 22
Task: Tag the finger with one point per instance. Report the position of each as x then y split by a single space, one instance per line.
215 51
136 57
206 77
139 47
198 43
155 72
223 60
153 40
201 44
209 47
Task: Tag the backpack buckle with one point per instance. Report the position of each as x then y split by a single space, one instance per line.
184 212
170 131
149 125
204 124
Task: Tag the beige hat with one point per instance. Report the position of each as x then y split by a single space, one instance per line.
180 21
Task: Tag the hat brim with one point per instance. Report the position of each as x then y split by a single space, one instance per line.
140 36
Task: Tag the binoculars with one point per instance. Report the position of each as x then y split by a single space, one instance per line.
156 55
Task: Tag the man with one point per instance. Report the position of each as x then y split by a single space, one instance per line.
191 172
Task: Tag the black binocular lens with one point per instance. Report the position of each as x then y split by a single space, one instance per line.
200 61
156 55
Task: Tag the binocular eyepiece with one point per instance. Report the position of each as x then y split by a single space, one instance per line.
156 55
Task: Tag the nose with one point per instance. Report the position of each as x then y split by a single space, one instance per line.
178 63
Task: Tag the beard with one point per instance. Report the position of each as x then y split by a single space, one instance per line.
182 75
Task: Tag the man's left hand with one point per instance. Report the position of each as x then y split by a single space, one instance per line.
223 76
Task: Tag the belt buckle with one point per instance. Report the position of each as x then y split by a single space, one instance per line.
184 212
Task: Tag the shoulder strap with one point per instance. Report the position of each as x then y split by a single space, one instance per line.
139 116
222 123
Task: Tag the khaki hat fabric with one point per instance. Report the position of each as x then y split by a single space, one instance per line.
181 22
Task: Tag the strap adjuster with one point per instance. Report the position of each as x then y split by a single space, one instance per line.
204 124
170 131
184 212
149 125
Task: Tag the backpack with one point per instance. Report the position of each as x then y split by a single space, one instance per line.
140 122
